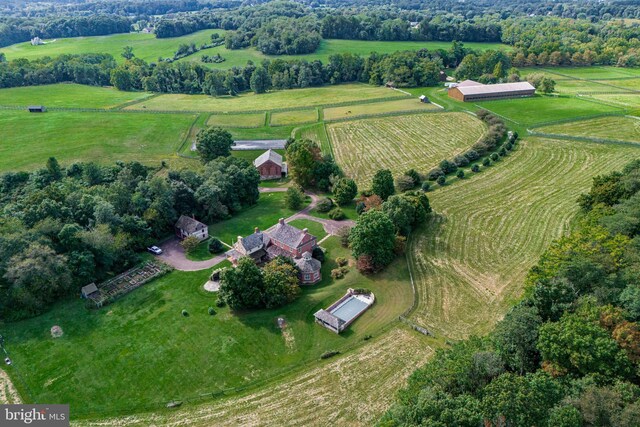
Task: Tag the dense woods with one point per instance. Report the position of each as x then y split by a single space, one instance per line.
568 354
63 228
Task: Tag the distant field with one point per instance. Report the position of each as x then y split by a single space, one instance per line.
622 100
239 58
236 120
469 263
572 87
541 109
29 139
68 96
294 117
145 46
632 84
595 72
400 143
617 127
349 111
293 98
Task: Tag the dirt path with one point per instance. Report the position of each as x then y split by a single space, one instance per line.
8 393
173 254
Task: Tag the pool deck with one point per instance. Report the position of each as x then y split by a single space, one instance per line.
339 315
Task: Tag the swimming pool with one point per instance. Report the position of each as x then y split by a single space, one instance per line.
349 309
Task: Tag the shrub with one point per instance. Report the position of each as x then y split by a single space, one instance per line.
367 337
337 214
294 198
220 303
339 273
185 313
324 205
495 157
343 234
502 152
399 245
486 162
434 174
413 174
360 207
365 264
211 311
461 160
341 261
328 354
190 243
475 168
460 174
362 291
405 183
318 254
508 146
447 166
472 155
215 246
426 186
441 180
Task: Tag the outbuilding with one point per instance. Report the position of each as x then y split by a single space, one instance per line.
37 109
469 90
270 165
188 226
88 290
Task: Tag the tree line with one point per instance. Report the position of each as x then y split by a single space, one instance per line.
569 353
62 228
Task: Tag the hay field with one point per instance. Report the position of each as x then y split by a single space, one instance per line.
614 127
295 117
237 120
400 143
353 111
469 262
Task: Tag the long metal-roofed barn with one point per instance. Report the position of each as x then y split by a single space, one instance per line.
470 90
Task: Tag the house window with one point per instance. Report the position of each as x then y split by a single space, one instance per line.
307 276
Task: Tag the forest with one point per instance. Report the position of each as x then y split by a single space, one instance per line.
568 354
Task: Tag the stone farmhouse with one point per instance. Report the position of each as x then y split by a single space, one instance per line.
188 226
470 90
282 239
270 165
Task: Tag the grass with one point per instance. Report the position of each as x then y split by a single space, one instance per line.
542 109
266 213
316 133
294 117
470 261
352 111
201 252
616 127
630 84
140 352
401 143
68 96
29 139
293 98
145 46
237 120
620 100
594 73
573 87
315 228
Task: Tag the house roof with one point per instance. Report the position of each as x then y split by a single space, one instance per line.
188 224
287 234
307 264
254 241
329 319
268 155
89 289
497 88
466 83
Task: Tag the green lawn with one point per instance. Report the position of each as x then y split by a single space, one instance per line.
201 253
541 109
68 96
629 84
616 127
572 87
295 117
28 139
283 99
145 46
266 213
621 100
595 72
140 352
349 211
237 120
314 228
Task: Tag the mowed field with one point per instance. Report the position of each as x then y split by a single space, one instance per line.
237 120
623 100
145 46
68 96
29 139
286 99
139 353
615 127
352 111
470 261
417 141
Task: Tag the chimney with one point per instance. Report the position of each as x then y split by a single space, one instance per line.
281 221
305 230
239 238
256 230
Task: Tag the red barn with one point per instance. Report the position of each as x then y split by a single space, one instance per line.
270 165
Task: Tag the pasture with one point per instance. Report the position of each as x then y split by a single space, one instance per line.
145 46
470 261
29 139
542 109
375 108
628 84
237 120
68 96
624 100
417 141
294 117
593 73
615 127
140 352
285 99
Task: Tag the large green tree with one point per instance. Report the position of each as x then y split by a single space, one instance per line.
280 283
243 286
382 184
302 156
260 80
516 337
213 142
374 235
344 190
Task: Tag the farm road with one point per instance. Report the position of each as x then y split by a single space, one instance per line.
173 254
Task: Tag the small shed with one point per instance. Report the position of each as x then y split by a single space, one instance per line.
37 109
188 226
88 290
424 99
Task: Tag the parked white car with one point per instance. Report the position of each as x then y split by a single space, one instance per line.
154 250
